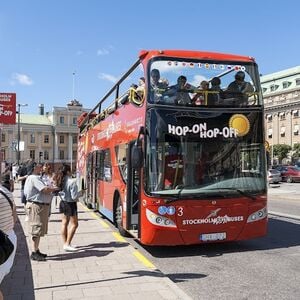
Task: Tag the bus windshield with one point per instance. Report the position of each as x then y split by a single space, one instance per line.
210 83
192 154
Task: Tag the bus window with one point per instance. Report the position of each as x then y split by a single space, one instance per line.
121 151
166 90
105 168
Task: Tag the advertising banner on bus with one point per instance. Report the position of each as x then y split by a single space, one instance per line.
7 108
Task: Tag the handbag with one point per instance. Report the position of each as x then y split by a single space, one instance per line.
6 246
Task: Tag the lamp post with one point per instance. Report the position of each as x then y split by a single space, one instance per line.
18 142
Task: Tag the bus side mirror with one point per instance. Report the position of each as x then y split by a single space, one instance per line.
136 157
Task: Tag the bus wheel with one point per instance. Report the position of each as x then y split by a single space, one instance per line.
118 219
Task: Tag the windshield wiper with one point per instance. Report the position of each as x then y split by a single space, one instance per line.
243 193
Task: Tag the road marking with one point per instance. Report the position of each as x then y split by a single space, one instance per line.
144 260
118 237
275 213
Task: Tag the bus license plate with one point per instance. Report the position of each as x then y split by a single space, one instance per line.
219 236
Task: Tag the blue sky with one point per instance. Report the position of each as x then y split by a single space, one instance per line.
43 42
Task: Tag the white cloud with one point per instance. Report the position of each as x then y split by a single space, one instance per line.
102 51
22 79
198 79
108 77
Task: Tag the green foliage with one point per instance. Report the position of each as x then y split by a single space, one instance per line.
281 151
296 150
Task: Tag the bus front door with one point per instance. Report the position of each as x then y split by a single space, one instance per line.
133 196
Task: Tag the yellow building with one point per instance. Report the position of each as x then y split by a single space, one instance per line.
48 137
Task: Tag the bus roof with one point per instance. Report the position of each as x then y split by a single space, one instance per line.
147 54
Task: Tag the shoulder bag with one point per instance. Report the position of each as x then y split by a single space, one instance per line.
6 246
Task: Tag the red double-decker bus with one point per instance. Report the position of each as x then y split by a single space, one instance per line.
174 152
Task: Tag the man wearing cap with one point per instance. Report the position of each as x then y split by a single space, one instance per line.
38 196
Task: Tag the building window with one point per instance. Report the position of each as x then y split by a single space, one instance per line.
46 155
46 138
282 131
296 113
286 84
274 87
2 154
32 154
270 132
74 121
296 130
61 154
297 81
3 137
32 138
264 90
74 153
74 138
61 120
269 118
61 139
281 116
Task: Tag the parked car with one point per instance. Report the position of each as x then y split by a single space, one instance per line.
290 174
274 176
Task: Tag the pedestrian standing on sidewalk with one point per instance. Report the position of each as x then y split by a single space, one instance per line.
38 196
47 177
68 205
22 176
8 218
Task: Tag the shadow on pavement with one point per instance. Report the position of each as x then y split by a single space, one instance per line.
78 254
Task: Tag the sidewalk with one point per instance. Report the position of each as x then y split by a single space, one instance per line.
106 266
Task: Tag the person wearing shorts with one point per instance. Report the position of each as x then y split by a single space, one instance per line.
68 205
38 196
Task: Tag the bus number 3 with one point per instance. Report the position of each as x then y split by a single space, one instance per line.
180 211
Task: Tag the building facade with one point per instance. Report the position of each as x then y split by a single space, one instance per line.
281 92
47 137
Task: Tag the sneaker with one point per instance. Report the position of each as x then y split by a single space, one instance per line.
36 256
69 248
41 254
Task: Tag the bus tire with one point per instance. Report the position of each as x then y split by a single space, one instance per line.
118 218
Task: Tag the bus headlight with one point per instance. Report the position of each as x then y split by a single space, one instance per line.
258 215
159 220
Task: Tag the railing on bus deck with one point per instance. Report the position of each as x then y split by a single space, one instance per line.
102 114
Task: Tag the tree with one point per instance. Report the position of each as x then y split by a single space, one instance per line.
281 151
296 150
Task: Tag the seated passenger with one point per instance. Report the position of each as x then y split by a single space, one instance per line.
157 85
214 97
179 93
239 86
200 98
141 87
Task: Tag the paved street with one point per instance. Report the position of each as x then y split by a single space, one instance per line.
105 267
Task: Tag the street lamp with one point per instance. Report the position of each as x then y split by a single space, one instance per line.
18 142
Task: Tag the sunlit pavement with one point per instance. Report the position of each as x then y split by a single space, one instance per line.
105 266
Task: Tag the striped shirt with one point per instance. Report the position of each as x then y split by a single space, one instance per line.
6 214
